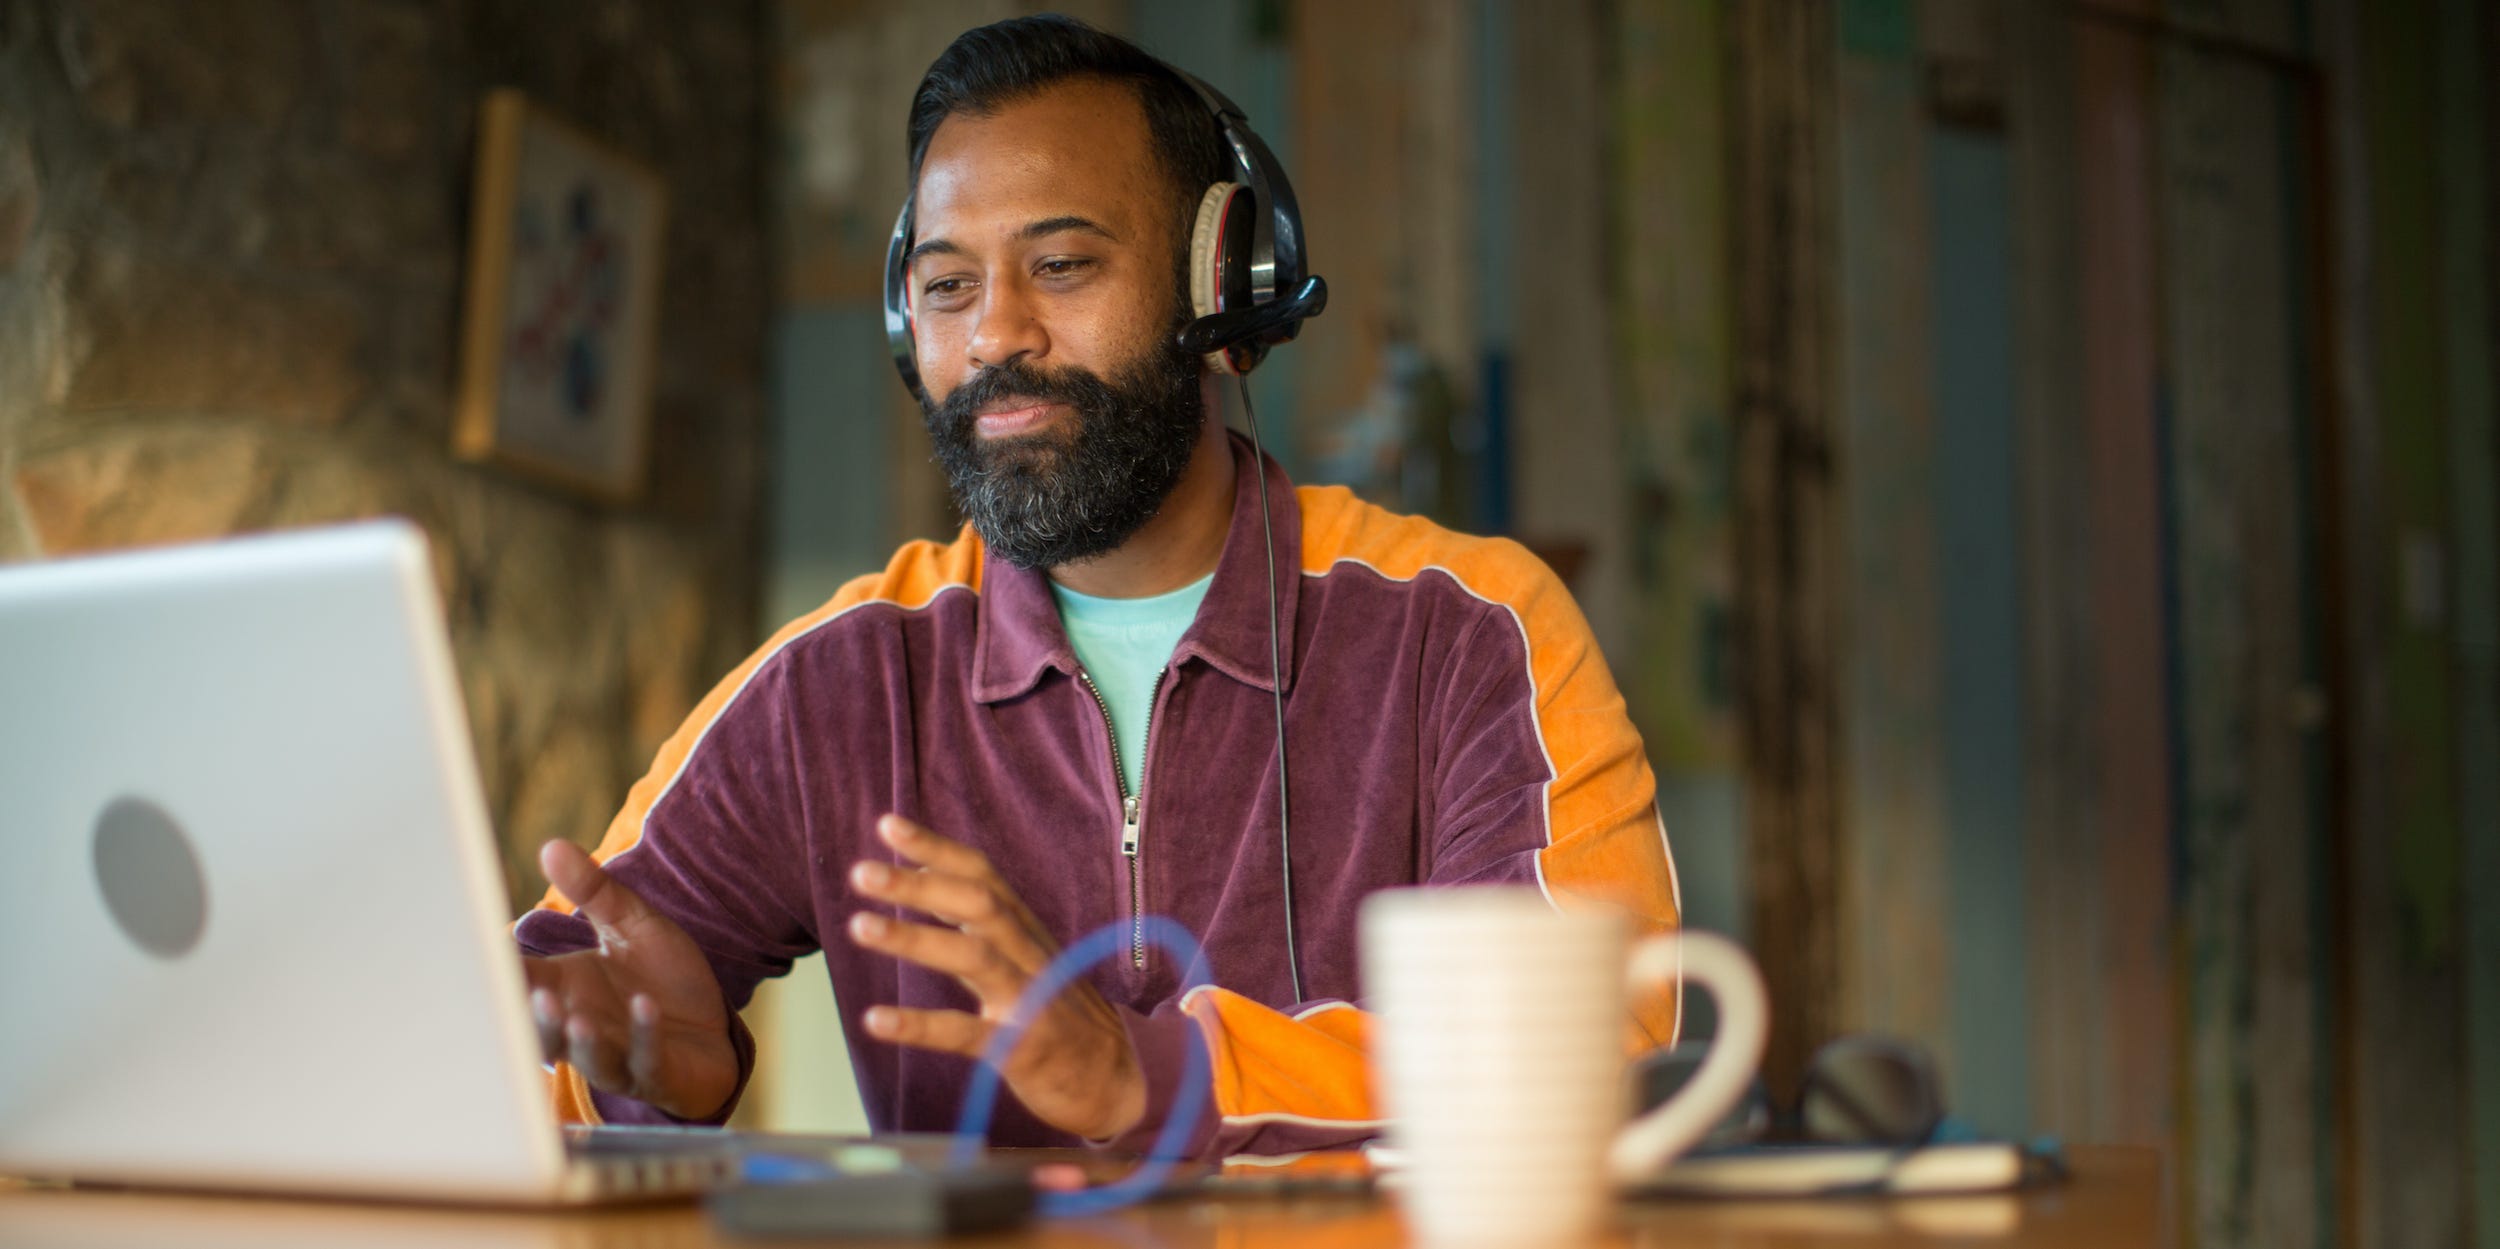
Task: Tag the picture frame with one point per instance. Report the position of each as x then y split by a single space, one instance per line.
560 317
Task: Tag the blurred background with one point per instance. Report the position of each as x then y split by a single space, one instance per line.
2031 464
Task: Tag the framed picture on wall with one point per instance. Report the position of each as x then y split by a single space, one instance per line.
562 304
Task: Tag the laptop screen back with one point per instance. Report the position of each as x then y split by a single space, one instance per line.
251 929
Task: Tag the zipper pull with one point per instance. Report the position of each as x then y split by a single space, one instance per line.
1128 827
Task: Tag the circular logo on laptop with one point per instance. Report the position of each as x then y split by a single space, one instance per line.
150 877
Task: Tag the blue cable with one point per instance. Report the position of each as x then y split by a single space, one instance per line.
981 1096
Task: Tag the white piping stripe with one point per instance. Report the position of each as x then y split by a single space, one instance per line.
1675 883
1675 891
1266 1160
1527 656
1299 1121
1298 1016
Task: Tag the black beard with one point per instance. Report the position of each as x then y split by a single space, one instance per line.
1062 495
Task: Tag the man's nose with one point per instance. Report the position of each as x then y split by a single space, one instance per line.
1009 329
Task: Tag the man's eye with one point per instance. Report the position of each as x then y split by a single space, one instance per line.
1063 266
944 287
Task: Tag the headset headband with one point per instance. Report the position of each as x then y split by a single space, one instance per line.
1276 234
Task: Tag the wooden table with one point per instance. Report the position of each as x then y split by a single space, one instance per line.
2118 1197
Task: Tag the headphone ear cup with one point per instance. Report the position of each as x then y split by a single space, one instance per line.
899 326
1219 275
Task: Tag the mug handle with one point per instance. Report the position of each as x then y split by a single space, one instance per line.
1722 967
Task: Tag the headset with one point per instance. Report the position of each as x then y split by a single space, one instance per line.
1247 292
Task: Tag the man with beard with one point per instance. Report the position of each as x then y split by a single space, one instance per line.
1064 718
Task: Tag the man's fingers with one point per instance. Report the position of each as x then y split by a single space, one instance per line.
596 1058
547 1011
958 900
972 906
928 849
974 960
951 1031
642 1052
546 999
943 857
595 895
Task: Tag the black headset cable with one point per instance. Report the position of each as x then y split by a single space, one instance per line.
1276 674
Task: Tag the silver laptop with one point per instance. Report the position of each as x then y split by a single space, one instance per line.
252 933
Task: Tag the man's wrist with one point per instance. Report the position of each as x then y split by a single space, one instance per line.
623 1108
1129 1105
1160 1046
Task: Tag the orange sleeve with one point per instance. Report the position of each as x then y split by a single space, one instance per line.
1285 1082
1268 1064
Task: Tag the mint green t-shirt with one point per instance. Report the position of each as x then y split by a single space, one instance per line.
1124 644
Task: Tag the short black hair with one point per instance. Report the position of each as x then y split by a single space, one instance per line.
989 67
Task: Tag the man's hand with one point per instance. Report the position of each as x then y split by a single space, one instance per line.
641 1015
1074 1067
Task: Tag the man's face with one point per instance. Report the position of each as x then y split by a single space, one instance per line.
1043 296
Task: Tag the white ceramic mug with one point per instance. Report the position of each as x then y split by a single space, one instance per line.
1498 1054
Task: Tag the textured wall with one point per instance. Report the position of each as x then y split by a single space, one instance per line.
231 253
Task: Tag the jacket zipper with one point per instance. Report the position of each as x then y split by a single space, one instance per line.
1130 807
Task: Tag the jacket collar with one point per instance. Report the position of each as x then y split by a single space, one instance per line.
1020 636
